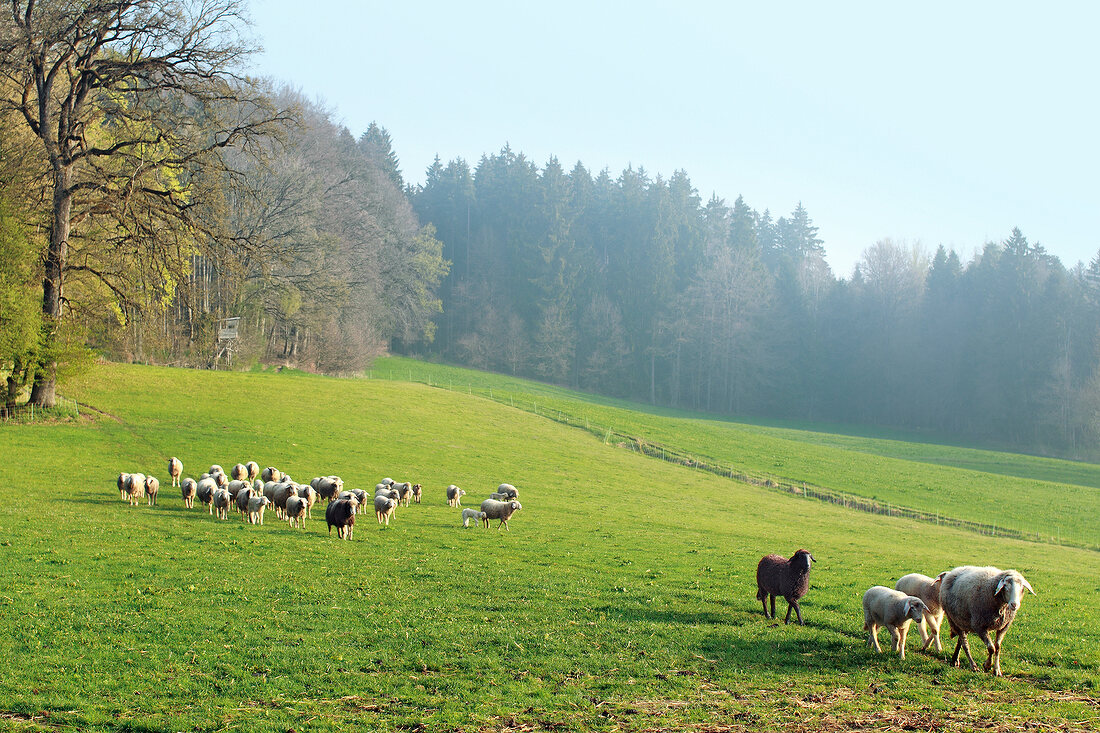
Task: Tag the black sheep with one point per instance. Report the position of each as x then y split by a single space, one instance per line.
778 576
341 514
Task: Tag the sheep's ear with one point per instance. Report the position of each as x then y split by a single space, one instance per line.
939 578
1028 585
1000 584
812 558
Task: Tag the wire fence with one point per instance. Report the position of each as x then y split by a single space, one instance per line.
674 455
30 412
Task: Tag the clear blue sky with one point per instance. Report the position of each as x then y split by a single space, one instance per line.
935 122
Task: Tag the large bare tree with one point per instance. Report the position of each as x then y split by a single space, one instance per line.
133 102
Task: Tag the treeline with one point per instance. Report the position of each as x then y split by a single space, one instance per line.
149 190
632 286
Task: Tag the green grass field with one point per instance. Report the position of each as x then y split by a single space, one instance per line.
622 598
1055 499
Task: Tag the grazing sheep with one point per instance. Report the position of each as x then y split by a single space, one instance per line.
243 497
778 576
221 502
980 601
328 487
283 492
497 496
295 510
387 481
188 487
341 514
123 483
508 491
253 469
135 488
404 492
256 505
239 472
416 492
928 590
893 609
175 470
502 510
271 474
454 496
205 491
384 507
310 496
474 514
388 493
152 486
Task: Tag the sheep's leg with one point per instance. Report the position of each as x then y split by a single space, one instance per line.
772 596
965 643
797 609
903 632
934 624
895 637
872 638
990 647
997 659
764 603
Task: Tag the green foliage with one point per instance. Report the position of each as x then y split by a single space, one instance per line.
20 301
635 612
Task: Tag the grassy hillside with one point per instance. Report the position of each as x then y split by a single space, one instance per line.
621 599
1040 496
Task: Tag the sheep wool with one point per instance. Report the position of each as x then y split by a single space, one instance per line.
790 579
982 601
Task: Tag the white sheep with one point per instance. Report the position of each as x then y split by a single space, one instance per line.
981 601
928 590
152 486
271 474
256 505
253 469
502 510
175 470
454 496
384 507
509 491
295 509
215 469
497 496
310 496
205 491
474 514
123 486
135 488
188 487
221 502
239 472
893 609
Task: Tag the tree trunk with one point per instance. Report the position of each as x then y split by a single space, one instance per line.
44 392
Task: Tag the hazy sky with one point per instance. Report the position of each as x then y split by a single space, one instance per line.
932 122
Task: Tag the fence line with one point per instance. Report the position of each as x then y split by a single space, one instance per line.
679 457
29 412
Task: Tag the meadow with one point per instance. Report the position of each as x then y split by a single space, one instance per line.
621 599
1029 494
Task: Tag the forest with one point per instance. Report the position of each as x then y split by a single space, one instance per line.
632 286
149 190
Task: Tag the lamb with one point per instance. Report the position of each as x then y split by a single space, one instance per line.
283 492
135 487
497 496
502 510
928 590
271 474
253 469
328 487
239 472
188 488
175 470
982 601
893 609
152 486
341 514
454 496
417 490
205 491
508 490
383 508
256 506
221 502
474 514
310 496
295 510
778 576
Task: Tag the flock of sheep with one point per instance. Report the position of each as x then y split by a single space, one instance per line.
250 491
977 600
